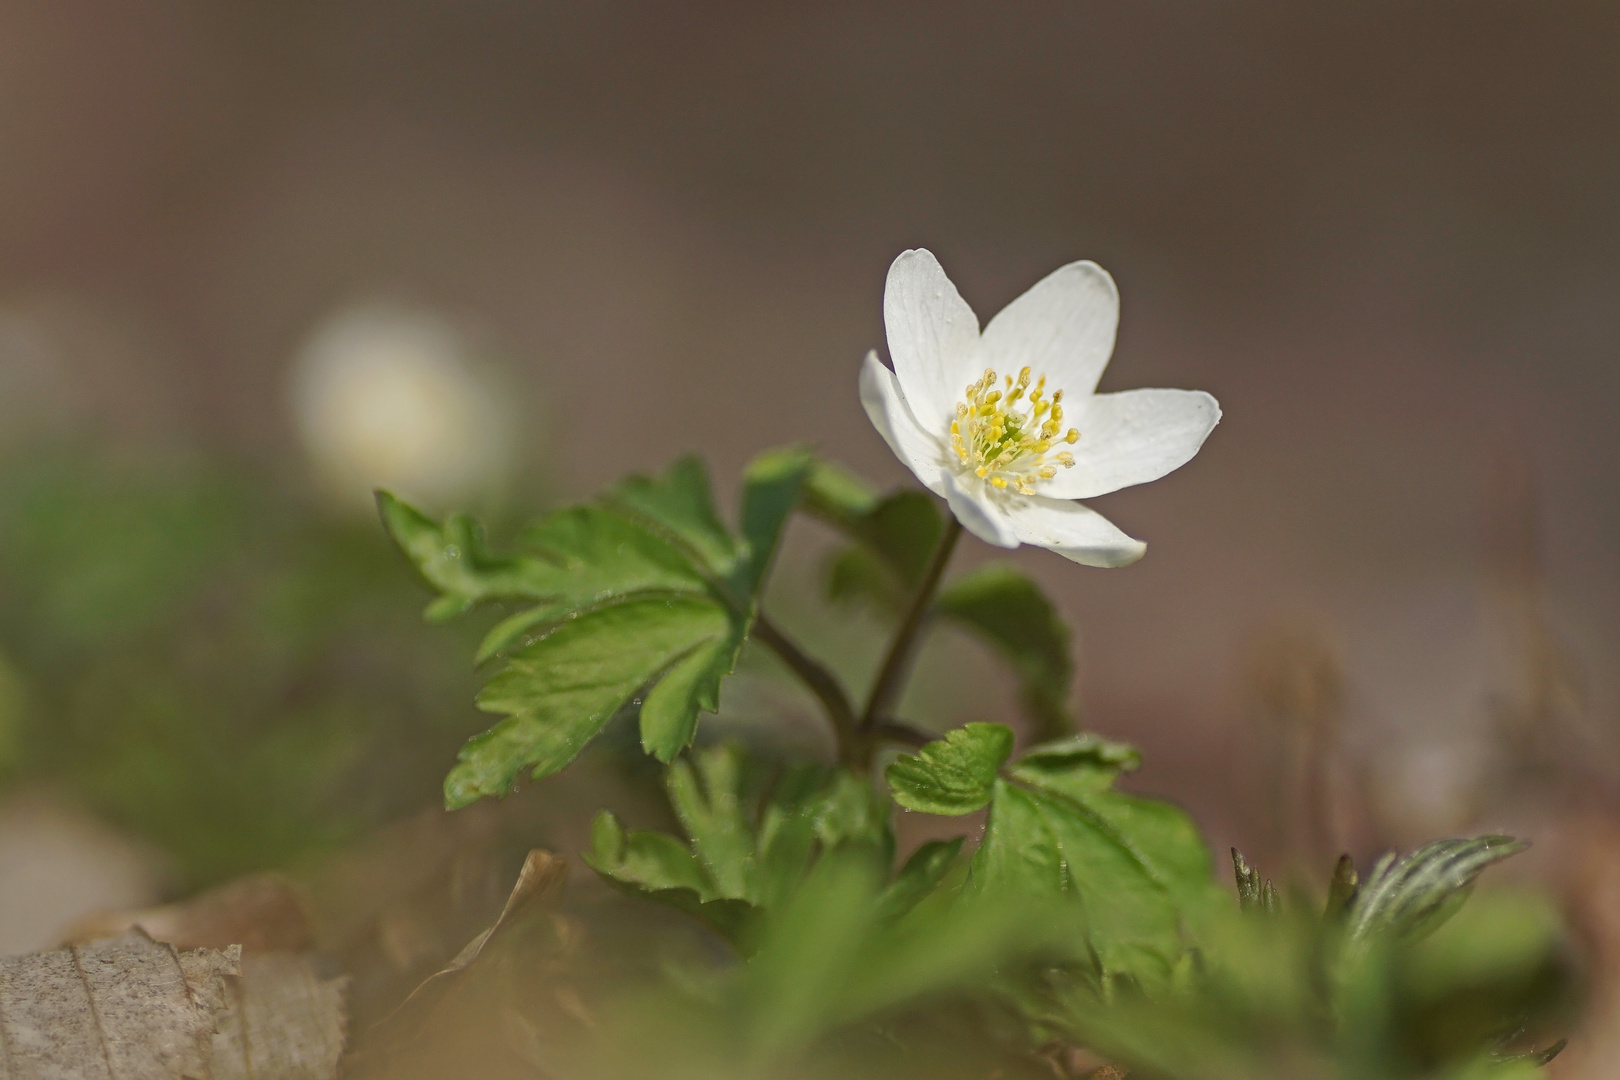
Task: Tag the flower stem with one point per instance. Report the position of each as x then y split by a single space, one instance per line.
820 682
898 660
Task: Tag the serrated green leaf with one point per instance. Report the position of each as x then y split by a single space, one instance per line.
759 853
1000 605
595 554
954 775
559 690
572 558
679 506
669 713
707 793
510 631
454 559
1411 896
653 540
650 861
1136 867
745 852
656 866
1078 766
584 556
771 489
845 809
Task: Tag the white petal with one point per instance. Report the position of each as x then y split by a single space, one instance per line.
978 513
886 407
1131 438
1074 531
933 337
1063 328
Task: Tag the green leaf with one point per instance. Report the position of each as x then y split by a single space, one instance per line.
1136 867
1080 765
1411 896
558 691
1502 942
845 809
771 489
836 495
745 852
574 558
585 556
1000 604
678 505
656 866
759 852
955 774
650 861
832 958
920 876
895 538
857 578
708 795
454 559
903 530
652 563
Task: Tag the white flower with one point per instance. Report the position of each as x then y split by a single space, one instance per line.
1006 426
397 397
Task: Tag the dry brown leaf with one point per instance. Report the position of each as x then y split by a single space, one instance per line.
285 1022
126 1008
261 913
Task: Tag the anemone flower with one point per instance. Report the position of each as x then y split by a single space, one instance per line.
1006 426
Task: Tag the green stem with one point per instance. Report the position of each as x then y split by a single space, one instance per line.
820 682
898 660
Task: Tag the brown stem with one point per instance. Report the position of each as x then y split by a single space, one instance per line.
898 660
898 731
819 680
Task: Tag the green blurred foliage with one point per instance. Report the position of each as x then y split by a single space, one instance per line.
1086 916
204 658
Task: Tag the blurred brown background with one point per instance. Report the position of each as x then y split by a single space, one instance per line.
1383 234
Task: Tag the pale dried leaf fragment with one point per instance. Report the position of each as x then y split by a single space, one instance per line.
413 1040
285 1023
538 884
260 912
126 1008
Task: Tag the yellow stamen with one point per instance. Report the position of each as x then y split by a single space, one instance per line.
1003 444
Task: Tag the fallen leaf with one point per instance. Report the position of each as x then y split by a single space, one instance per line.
285 1022
125 1008
260 912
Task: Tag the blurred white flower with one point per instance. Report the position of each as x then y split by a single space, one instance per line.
394 397
1006 426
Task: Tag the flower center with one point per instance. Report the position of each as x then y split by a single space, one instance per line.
1005 434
